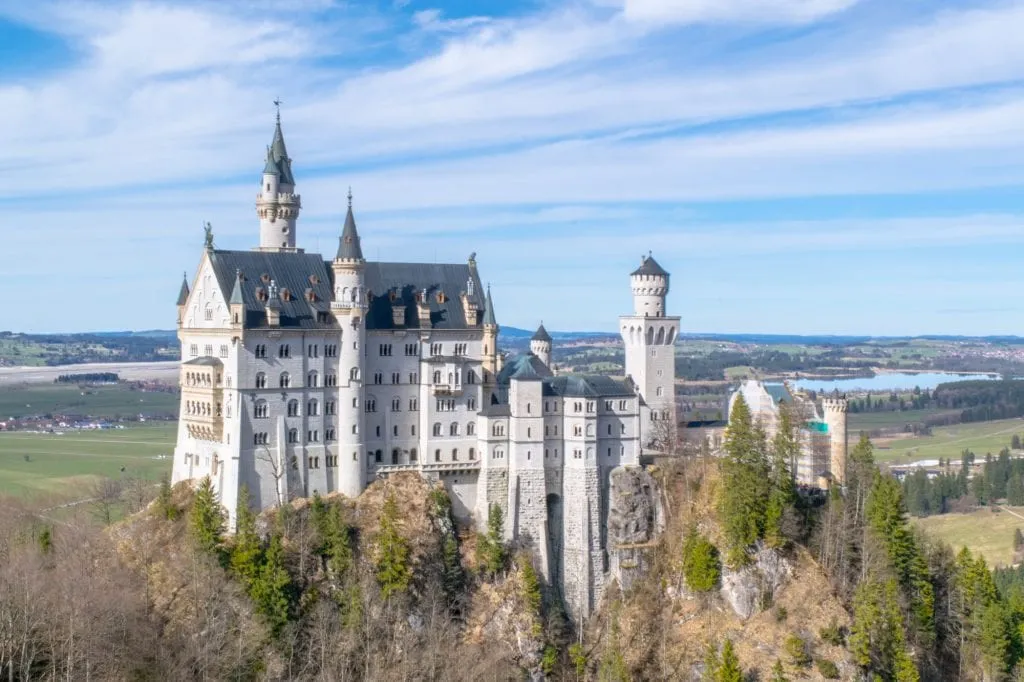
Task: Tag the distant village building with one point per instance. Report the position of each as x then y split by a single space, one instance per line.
302 374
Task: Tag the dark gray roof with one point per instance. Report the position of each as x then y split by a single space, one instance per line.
526 372
500 410
236 291
517 364
489 310
205 361
405 281
587 386
299 273
183 292
649 266
541 334
277 158
779 393
348 243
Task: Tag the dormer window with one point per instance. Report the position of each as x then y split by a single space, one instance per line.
310 295
314 280
285 294
265 278
441 298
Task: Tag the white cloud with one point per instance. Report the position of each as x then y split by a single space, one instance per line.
742 11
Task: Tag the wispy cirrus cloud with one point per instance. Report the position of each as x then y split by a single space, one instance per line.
471 131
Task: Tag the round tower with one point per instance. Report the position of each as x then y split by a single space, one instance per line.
650 287
834 409
277 204
540 345
349 309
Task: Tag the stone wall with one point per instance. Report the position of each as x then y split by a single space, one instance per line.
635 518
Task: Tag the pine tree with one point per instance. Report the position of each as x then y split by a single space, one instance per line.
207 519
712 662
729 670
1015 490
746 485
394 573
785 453
491 547
165 502
701 566
246 554
272 587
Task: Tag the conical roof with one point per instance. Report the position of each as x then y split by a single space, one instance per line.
348 244
541 334
489 310
183 292
236 291
277 158
649 266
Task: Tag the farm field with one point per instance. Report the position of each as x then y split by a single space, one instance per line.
983 531
868 421
66 465
106 401
949 441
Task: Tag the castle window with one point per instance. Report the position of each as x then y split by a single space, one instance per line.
622 429
413 378
460 349
659 391
577 430
285 380
394 455
470 377
470 429
208 313
355 429
284 351
412 430
355 402
313 436
293 435
371 406
453 429
471 404
411 349
412 455
546 429
313 408
437 376
437 455
293 408
609 429
329 435
330 351
414 404
609 452
261 380
331 380
353 374
527 454
396 377
385 349
435 349
378 456
394 430
313 351
259 438
223 350
590 430
396 404
472 454
528 408
378 378
260 351
312 379
208 350
260 410
529 432
437 428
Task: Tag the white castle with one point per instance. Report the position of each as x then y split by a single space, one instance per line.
303 375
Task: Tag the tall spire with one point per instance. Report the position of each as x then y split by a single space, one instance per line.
183 293
236 292
348 245
489 311
277 155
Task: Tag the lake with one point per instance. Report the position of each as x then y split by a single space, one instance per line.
889 381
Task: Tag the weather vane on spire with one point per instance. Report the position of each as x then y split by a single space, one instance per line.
277 105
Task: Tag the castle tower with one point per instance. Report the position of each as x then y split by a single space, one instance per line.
649 338
540 345
834 409
277 204
527 505
490 344
349 309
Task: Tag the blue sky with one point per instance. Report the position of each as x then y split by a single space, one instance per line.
800 166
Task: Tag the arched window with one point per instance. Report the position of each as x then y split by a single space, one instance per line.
470 377
261 380
661 335
286 380
437 376
650 335
313 408
412 455
353 374
437 455
590 430
470 429
260 410
313 379
293 408
659 391
293 435
455 454
394 455
437 429
472 454
453 429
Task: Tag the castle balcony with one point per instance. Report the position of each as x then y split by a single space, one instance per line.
446 390
439 467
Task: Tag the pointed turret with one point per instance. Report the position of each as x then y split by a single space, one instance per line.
540 345
236 291
541 334
489 311
277 204
183 292
348 245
